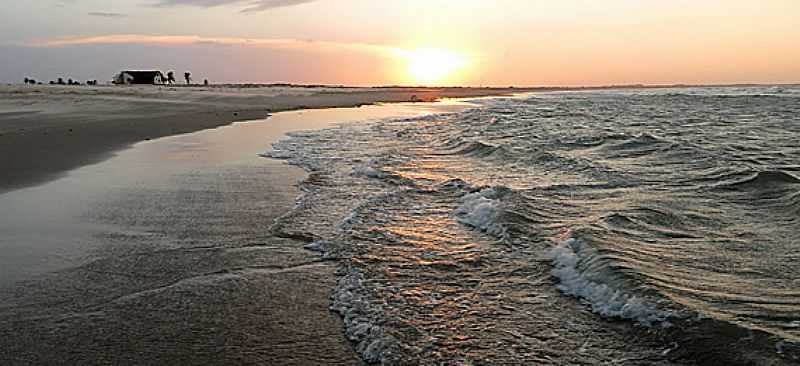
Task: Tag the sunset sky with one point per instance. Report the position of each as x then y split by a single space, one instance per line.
379 42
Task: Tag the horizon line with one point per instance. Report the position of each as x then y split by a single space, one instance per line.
511 86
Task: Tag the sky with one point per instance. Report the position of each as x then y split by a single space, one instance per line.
408 42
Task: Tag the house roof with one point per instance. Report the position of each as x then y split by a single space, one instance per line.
147 74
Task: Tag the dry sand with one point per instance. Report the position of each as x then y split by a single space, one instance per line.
47 130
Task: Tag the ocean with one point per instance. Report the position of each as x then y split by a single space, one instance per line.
639 226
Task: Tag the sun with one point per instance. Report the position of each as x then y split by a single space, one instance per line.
432 65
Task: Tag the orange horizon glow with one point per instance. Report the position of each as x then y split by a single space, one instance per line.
455 42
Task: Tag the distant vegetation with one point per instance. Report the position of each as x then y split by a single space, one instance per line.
59 81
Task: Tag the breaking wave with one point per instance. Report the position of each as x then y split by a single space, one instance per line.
606 299
480 210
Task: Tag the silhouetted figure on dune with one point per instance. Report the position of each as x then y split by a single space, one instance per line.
188 76
171 77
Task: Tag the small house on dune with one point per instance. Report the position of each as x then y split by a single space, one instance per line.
139 77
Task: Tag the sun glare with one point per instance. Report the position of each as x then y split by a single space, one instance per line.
432 65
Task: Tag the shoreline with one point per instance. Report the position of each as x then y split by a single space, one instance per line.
46 131
84 125
384 238
182 225
266 261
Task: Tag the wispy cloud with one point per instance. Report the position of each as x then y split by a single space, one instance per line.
250 5
107 15
177 41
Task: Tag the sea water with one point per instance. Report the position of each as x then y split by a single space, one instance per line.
651 226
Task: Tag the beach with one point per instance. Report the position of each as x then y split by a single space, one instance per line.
47 130
579 227
163 253
400 183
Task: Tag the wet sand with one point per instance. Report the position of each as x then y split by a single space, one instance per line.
163 254
47 130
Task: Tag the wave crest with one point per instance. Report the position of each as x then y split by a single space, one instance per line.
480 210
769 178
605 299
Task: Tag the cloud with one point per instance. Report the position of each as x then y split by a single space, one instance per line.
107 15
177 41
250 5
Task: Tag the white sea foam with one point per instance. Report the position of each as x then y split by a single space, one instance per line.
361 318
369 172
319 246
605 300
277 154
481 210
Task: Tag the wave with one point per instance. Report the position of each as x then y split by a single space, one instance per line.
589 142
576 265
480 210
766 179
644 140
775 190
606 298
368 171
362 318
641 145
694 336
478 149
